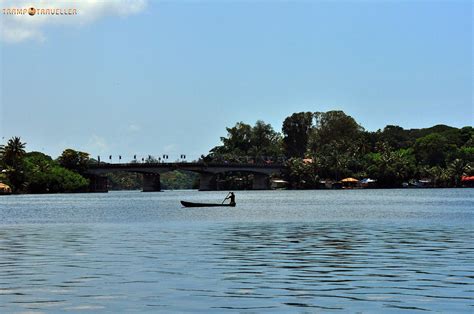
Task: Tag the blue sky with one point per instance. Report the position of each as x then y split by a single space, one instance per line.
170 76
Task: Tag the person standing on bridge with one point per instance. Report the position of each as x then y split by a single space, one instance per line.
231 197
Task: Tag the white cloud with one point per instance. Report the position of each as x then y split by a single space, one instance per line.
98 144
170 148
133 127
17 28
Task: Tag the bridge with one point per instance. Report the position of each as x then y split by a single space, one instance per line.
207 173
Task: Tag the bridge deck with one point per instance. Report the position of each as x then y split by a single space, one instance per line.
182 165
207 171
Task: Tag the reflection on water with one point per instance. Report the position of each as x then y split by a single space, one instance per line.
193 264
329 266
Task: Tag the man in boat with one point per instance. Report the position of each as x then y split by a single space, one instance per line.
231 197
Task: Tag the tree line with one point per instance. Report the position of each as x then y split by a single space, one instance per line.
318 146
36 172
315 146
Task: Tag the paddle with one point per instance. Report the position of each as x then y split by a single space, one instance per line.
225 198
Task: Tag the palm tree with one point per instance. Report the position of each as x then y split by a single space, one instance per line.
13 152
12 161
457 168
439 176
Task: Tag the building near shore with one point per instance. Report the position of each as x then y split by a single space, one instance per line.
350 183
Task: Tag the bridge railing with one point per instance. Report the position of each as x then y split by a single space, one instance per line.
185 165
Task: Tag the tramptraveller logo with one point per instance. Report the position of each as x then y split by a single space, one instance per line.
32 11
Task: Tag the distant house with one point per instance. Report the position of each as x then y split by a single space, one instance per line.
349 183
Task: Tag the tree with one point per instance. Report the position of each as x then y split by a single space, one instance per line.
64 180
340 147
264 141
465 153
244 141
178 180
334 126
12 163
237 142
296 130
433 149
458 168
439 176
302 175
74 160
395 136
13 152
45 175
391 167
335 159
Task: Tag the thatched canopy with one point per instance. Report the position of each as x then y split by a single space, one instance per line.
349 180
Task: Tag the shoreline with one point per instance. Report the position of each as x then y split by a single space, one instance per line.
268 190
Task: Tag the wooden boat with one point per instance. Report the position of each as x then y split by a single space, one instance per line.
191 204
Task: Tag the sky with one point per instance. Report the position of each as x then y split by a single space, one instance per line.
154 77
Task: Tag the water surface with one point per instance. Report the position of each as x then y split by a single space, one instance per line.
277 251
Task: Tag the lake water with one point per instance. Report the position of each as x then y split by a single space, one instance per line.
371 251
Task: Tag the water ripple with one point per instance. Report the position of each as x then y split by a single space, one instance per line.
196 263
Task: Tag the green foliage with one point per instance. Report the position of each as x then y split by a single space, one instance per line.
12 153
439 176
12 163
458 168
296 131
395 136
337 160
74 160
391 167
64 180
238 140
174 180
44 175
334 126
179 180
433 149
125 181
257 142
265 142
340 147
36 172
440 129
465 153
301 174
337 145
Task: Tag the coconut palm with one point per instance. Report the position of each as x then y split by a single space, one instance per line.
458 168
12 162
13 152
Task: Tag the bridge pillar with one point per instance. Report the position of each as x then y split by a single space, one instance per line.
98 184
151 182
260 182
207 182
